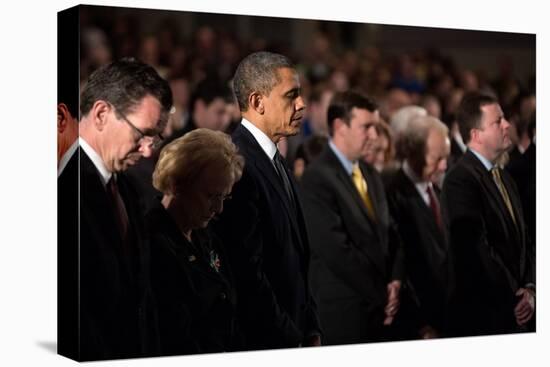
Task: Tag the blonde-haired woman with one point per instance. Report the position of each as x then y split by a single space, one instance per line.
191 279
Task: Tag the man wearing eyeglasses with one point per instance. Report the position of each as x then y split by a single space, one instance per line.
124 107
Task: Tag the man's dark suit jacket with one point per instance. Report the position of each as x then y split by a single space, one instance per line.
353 258
523 169
490 254
196 304
67 259
116 308
268 248
425 249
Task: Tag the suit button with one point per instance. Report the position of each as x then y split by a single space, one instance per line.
223 295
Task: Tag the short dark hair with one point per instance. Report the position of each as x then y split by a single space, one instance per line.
124 83
310 148
342 103
208 89
258 73
468 114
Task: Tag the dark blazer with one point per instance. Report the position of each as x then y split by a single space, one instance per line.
425 249
196 304
490 254
268 248
67 259
522 168
456 153
353 258
116 307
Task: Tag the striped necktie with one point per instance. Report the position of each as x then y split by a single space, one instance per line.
498 180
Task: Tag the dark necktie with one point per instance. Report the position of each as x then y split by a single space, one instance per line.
434 206
121 214
281 171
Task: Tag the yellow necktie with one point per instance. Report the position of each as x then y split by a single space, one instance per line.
498 180
362 188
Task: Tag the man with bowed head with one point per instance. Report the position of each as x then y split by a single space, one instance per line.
263 225
124 107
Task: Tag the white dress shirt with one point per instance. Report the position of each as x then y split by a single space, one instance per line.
421 186
104 173
66 157
267 145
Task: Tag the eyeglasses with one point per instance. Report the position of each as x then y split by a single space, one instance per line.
154 141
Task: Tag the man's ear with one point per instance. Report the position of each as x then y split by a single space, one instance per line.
337 125
98 114
62 117
474 135
255 100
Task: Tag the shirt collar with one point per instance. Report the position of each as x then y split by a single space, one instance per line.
346 163
421 186
267 145
104 173
486 163
66 157
459 141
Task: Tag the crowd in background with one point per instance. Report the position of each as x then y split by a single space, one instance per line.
361 240
422 77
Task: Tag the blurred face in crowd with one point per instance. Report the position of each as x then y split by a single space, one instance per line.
438 148
198 203
360 136
318 111
130 137
212 116
284 107
377 156
492 138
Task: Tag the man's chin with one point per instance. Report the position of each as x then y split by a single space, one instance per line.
130 161
295 125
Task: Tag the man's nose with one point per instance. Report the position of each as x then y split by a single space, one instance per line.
146 149
300 103
505 124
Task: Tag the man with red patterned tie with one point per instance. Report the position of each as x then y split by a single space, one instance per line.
413 196
124 106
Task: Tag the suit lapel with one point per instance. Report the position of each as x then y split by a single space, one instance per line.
490 186
256 156
94 195
372 192
416 201
519 227
375 250
347 182
497 202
